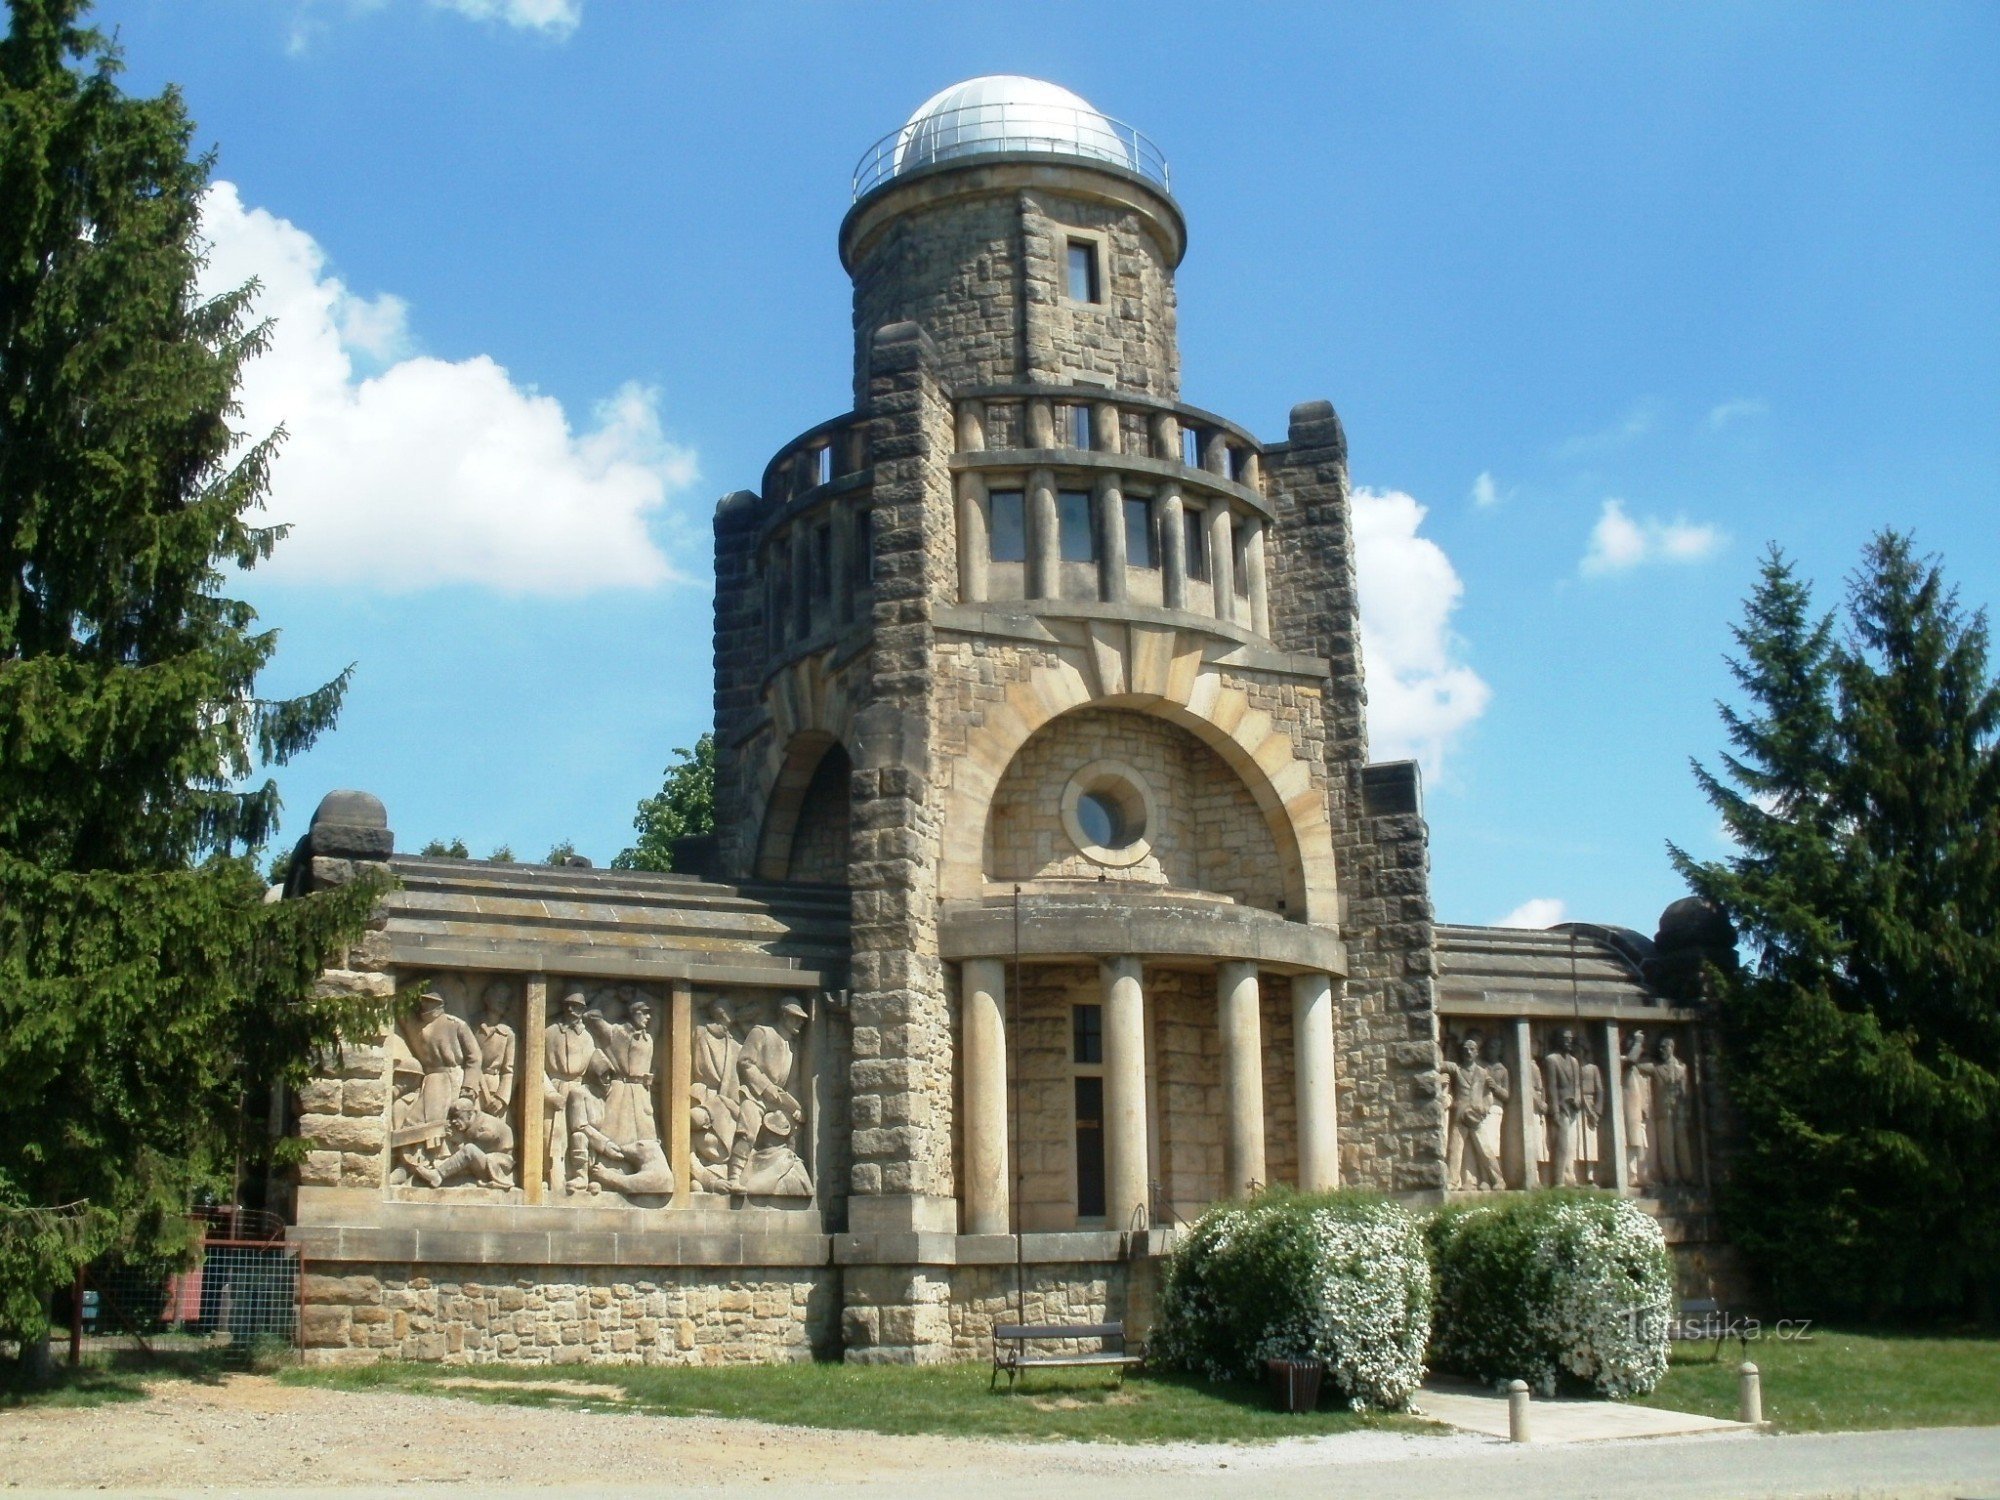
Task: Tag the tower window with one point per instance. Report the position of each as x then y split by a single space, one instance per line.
864 550
1194 523
823 465
1077 420
1140 550
822 571
1083 279
1087 1034
1008 526
1191 447
1076 536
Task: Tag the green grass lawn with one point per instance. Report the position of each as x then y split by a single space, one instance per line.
949 1399
1844 1380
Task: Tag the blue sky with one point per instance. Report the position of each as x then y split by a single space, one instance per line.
1614 293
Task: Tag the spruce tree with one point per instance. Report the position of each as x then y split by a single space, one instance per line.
144 983
1864 1042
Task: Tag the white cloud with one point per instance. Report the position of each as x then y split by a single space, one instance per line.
1485 493
1539 911
1620 543
1419 696
1635 424
430 471
556 17
1739 410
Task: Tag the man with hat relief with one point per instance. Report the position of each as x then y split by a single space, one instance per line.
447 1050
765 1158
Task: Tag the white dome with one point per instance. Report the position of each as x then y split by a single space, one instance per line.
1005 112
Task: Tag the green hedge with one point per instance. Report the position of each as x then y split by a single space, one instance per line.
1337 1277
1557 1286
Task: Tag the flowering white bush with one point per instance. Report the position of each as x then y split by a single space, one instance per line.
1340 1278
1551 1287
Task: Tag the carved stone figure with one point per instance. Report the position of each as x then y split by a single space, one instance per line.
410 1136
764 1158
448 1052
497 1049
1637 1105
1535 1172
646 1171
1589 1123
709 1164
626 1048
1670 1114
716 1050
1478 1090
480 1147
568 1053
1562 1076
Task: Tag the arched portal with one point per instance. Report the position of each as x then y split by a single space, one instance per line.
807 822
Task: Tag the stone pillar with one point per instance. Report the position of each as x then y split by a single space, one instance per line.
983 1042
973 546
971 426
1518 1155
1173 549
530 1072
1215 453
1044 544
1222 558
1313 1062
1126 1197
1239 1019
1165 429
1107 432
1041 423
678 1091
1611 1141
1252 476
1253 568
1114 583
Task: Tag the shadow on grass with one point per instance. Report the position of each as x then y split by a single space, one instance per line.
896 1399
121 1375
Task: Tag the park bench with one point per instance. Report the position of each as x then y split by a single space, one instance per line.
1698 1323
1011 1351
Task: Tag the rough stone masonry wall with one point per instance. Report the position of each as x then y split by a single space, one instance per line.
986 278
739 664
1206 833
604 1315
1391 1113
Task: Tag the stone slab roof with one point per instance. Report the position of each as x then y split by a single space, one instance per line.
1572 970
468 913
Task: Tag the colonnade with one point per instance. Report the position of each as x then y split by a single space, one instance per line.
986 1188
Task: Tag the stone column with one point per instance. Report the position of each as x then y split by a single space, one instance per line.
1044 544
529 1072
1041 423
1173 549
1253 568
1215 453
1107 432
1239 1019
1222 558
1611 1130
1126 1198
973 546
1313 1062
971 426
1519 1141
1165 430
679 1090
983 1038
1114 583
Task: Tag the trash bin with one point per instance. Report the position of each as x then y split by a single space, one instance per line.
1295 1383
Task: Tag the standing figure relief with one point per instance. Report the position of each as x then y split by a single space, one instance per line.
453 1087
1479 1090
747 1123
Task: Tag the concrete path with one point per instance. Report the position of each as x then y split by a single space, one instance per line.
1563 1419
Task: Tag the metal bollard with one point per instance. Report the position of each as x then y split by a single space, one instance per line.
1749 1394
1517 1412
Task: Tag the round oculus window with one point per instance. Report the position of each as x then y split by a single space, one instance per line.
1107 811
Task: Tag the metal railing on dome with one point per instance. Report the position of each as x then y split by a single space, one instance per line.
991 129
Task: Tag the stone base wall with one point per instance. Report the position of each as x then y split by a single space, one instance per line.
359 1313
984 1295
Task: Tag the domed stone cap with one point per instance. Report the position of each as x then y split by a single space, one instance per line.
1006 112
1692 922
351 825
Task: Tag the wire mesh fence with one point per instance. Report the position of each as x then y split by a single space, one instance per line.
236 1305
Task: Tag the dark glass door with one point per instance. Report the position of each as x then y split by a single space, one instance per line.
1090 1148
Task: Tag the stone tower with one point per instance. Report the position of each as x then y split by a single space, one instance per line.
1061 678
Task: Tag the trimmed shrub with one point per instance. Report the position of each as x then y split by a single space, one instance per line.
1337 1277
1557 1286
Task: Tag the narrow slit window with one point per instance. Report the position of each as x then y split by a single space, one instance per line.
1008 526
1194 522
822 561
864 550
1077 418
1084 284
1076 536
823 464
1141 550
1191 447
1087 1034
